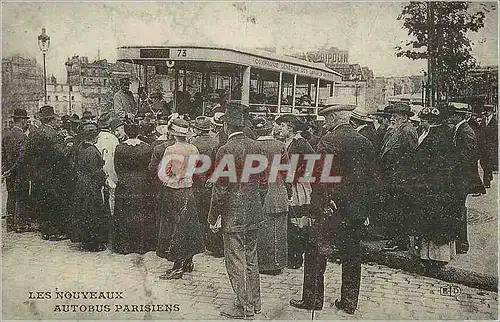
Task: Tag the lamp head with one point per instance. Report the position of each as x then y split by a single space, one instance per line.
44 41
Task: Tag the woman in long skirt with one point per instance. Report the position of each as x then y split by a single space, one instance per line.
179 236
434 218
90 226
134 221
272 245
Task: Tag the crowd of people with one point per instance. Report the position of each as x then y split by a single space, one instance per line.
113 181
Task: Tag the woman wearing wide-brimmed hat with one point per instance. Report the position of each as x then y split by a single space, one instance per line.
134 223
180 235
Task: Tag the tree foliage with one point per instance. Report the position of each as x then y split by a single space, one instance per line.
449 47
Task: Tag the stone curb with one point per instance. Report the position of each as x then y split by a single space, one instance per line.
406 262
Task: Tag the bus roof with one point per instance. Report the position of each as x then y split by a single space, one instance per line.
218 57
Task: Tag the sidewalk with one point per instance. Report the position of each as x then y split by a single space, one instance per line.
478 268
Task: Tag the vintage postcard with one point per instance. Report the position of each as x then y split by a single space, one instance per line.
249 160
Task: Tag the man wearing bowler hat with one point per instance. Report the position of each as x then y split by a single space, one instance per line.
123 102
13 145
338 209
399 146
206 145
238 207
48 166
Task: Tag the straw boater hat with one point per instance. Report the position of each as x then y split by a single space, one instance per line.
178 127
216 120
332 105
462 108
361 116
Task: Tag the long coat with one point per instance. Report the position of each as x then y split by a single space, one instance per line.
353 157
465 143
134 221
47 165
272 243
490 134
90 224
239 203
13 147
434 186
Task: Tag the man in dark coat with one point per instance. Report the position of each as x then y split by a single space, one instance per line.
206 145
13 145
238 207
47 162
399 145
465 143
347 205
489 159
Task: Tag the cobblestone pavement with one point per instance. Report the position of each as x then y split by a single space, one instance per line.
31 264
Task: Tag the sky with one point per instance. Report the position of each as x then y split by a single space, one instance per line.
369 31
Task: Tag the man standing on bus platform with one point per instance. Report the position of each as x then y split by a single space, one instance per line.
123 102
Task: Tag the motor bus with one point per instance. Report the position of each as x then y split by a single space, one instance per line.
270 84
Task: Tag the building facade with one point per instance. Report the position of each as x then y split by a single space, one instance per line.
65 99
98 81
22 85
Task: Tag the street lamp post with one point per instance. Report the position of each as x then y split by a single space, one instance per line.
68 67
43 44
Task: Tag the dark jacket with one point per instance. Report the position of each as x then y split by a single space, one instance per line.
13 147
239 203
299 147
134 178
371 134
46 157
353 158
206 145
490 136
465 143
396 154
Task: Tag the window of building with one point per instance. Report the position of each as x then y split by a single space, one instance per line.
72 98
48 98
99 100
105 81
57 98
